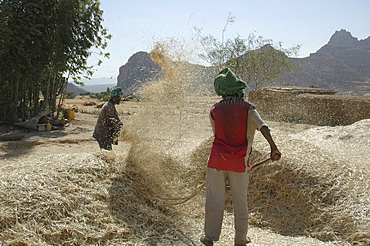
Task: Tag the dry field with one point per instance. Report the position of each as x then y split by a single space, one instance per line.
58 188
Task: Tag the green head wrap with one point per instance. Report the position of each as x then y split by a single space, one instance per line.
116 92
226 84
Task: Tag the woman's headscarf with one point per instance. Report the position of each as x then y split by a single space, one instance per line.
227 84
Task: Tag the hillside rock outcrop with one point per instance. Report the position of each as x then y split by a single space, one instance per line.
139 69
343 37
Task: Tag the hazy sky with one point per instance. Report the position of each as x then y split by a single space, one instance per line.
137 24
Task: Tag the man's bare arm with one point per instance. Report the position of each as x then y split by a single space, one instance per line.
275 153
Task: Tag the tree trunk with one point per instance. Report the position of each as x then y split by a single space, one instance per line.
13 116
62 89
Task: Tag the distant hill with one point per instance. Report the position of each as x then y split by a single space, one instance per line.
78 90
99 81
341 65
98 87
75 89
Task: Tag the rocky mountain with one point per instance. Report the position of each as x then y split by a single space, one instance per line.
341 65
139 69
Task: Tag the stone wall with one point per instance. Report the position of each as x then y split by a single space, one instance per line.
309 106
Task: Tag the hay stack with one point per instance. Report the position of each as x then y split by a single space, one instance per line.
81 200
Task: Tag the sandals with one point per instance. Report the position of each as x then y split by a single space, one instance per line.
209 242
248 240
206 241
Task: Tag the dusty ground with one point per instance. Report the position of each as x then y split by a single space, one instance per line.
77 136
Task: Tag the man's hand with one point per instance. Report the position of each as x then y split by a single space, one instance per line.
275 155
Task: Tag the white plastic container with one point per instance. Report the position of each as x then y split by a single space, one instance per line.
41 127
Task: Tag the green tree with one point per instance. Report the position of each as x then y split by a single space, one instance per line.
255 59
42 44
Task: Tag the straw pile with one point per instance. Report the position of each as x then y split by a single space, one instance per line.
311 192
81 200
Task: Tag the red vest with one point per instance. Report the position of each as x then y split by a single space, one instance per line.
230 144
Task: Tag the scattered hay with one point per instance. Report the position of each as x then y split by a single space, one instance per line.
310 192
82 200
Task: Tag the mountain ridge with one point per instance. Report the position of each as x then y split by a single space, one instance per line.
341 65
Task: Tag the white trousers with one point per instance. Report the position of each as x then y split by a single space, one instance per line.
215 203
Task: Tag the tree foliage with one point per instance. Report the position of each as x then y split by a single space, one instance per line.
255 59
42 43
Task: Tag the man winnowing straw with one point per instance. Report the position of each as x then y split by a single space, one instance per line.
108 125
234 122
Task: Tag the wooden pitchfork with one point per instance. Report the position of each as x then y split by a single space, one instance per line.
251 167
199 188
